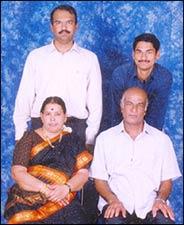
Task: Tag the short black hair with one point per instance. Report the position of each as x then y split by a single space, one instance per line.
147 37
68 8
53 99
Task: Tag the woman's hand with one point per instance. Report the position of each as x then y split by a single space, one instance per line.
58 193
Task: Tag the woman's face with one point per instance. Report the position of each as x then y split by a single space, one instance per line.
53 118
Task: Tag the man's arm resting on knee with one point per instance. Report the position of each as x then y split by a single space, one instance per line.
115 206
160 201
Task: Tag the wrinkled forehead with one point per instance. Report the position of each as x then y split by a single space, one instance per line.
135 100
135 96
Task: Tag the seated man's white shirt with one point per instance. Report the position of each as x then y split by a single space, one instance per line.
134 168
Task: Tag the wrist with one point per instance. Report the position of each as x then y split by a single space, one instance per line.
43 188
160 199
69 187
112 199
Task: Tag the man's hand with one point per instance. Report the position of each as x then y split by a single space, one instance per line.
114 209
161 205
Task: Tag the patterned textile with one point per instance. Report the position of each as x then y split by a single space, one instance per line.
51 165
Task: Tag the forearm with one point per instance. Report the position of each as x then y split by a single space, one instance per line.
25 180
160 201
105 191
164 190
78 180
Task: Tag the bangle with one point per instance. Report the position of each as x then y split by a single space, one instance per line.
160 199
69 187
43 188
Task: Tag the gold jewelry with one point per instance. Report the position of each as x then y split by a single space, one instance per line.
69 187
44 188
46 138
60 136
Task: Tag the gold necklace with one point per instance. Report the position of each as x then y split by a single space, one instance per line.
46 138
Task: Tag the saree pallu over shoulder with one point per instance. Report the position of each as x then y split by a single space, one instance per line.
41 146
51 176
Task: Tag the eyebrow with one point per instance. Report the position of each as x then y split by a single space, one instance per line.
139 49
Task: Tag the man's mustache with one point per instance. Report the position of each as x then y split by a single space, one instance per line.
62 31
144 61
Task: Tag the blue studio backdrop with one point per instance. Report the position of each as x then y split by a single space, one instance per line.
108 28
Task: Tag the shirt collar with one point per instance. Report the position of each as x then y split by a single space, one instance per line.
120 128
151 77
52 48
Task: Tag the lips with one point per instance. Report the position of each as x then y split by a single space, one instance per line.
144 61
133 116
52 125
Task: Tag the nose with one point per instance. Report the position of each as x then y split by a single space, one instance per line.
52 118
143 55
134 108
63 25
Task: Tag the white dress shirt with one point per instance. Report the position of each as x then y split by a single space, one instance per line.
74 76
134 168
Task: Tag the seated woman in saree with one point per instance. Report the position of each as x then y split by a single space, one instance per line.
49 166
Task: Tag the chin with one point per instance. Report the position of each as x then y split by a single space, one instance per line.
53 129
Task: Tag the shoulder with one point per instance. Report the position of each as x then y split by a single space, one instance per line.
72 137
122 74
40 51
123 70
158 134
27 139
109 133
161 70
28 135
86 52
72 141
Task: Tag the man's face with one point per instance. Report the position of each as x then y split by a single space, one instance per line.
145 55
133 107
63 26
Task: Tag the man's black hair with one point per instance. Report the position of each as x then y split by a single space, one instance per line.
147 37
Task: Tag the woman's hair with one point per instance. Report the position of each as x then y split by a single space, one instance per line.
54 99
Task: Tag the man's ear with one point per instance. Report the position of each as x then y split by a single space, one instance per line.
76 27
158 55
51 27
133 53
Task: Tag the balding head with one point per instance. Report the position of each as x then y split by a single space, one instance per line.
135 92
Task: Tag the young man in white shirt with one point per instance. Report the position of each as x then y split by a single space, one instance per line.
133 166
66 70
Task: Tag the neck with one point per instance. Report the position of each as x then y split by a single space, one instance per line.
63 47
144 74
133 129
48 134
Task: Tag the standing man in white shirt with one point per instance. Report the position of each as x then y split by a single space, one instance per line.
133 166
62 69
